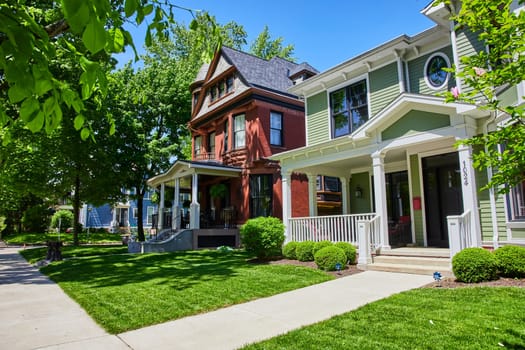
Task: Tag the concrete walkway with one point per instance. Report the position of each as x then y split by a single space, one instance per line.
36 313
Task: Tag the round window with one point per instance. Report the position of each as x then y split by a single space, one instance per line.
435 76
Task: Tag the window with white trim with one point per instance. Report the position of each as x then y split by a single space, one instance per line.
349 108
517 202
239 131
435 77
150 210
197 145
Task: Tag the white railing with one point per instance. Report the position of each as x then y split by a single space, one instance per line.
375 234
335 228
459 232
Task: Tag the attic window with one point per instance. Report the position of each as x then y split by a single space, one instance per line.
435 77
221 89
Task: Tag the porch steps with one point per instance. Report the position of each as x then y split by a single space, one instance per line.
419 261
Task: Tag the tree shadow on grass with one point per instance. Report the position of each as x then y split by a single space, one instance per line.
179 270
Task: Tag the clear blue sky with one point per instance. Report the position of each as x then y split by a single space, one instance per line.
324 33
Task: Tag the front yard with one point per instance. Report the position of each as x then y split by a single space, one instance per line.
129 291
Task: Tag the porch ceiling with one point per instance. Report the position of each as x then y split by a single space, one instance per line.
184 169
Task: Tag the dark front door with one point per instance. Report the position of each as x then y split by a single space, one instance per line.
398 208
443 196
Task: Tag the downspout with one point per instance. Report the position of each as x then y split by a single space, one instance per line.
492 195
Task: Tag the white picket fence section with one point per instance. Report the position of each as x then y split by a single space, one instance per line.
459 232
334 228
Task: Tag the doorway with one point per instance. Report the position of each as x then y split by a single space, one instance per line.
443 195
398 209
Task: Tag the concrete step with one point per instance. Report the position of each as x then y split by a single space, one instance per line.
412 260
418 251
407 268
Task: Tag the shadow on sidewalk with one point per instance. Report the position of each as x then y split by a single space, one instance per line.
14 269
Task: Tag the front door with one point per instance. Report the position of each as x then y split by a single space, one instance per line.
398 209
443 196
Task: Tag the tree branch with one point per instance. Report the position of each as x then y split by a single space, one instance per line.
57 28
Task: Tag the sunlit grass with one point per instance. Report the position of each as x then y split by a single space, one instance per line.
429 318
33 255
129 291
67 238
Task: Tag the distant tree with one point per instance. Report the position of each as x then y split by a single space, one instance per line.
487 73
263 46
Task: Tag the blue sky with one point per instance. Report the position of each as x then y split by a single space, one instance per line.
324 33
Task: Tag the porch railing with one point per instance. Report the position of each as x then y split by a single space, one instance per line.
335 228
459 232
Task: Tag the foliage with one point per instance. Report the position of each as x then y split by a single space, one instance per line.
349 249
329 257
218 191
37 33
289 250
36 218
423 318
264 47
163 287
304 251
62 219
320 245
263 236
473 265
511 261
486 75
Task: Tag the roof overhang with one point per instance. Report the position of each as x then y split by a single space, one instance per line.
183 168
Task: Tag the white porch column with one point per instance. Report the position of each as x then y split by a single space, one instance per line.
345 196
175 221
114 223
312 194
469 189
195 208
161 206
286 182
378 162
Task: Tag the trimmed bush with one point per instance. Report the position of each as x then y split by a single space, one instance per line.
349 250
511 261
289 250
64 218
263 236
473 265
320 245
328 257
303 251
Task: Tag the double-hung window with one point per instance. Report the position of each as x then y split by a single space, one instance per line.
517 202
276 128
226 133
239 131
349 107
197 145
261 195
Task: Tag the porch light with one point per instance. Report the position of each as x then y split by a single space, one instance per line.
358 192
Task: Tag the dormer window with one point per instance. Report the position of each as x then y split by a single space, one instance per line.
229 84
349 108
221 89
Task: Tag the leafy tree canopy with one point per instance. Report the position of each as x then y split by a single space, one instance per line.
267 48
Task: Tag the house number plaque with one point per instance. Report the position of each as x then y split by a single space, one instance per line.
465 173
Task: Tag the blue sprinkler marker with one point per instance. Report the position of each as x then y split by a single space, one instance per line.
437 278
338 267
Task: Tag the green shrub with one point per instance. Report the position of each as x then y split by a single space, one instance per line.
511 261
289 250
263 236
473 265
349 250
328 257
64 218
320 245
303 251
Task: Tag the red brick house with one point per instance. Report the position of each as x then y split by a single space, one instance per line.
242 114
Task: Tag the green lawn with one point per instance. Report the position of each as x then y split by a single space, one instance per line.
67 238
33 255
129 291
430 318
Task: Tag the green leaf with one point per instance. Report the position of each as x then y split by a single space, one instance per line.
112 128
37 123
115 40
94 36
77 13
84 134
79 122
28 109
17 93
194 25
130 7
147 40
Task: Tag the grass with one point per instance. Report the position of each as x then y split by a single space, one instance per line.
429 318
42 238
34 255
129 291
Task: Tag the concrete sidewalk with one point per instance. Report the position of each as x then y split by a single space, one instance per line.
36 313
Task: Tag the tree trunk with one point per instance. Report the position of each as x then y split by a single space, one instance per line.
76 210
140 216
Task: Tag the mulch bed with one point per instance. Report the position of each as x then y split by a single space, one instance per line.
446 282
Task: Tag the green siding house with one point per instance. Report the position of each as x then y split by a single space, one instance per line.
378 123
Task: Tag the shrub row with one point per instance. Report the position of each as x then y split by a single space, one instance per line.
473 265
325 253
